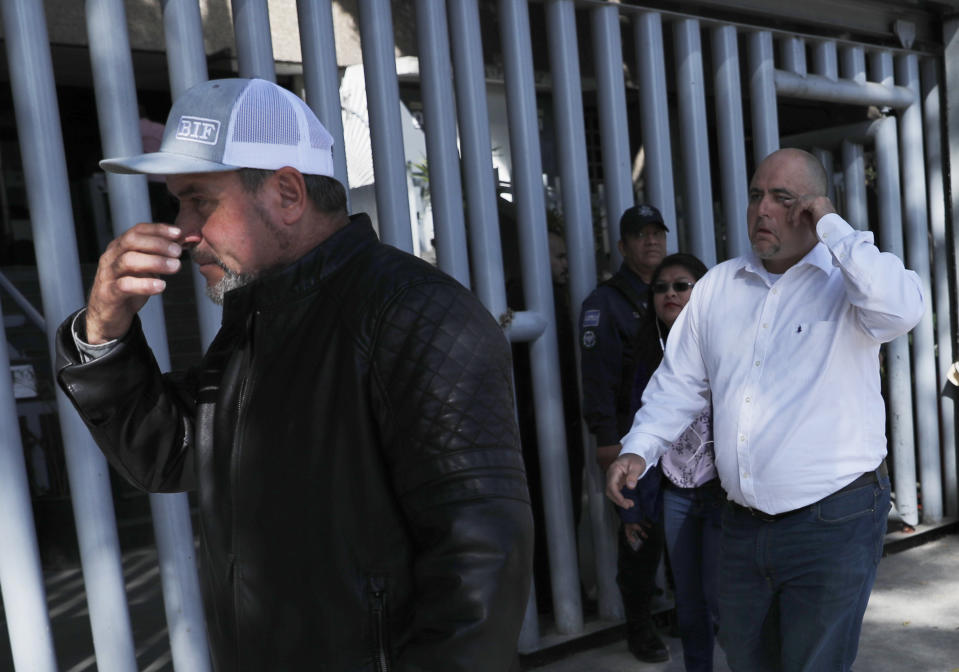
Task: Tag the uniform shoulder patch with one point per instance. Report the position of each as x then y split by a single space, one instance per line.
591 318
589 339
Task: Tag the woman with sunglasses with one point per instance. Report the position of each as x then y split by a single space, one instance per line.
691 495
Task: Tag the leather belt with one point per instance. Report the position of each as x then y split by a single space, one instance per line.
867 478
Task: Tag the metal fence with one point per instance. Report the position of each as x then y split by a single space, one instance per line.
690 149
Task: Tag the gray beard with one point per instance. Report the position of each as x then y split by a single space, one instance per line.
231 280
227 283
770 252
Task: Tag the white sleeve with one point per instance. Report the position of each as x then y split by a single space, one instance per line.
887 296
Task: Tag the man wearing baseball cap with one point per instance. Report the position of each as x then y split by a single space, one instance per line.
609 322
350 431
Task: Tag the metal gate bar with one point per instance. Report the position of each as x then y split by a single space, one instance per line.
446 191
485 251
51 214
254 46
613 127
577 216
694 142
937 220
115 91
386 132
320 76
530 206
731 138
21 576
916 233
654 116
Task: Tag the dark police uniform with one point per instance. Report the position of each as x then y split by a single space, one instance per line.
609 323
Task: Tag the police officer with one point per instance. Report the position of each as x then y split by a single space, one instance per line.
609 323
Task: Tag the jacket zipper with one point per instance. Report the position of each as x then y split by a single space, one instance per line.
379 613
235 480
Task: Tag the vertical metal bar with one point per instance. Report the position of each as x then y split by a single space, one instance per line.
854 182
917 257
762 88
112 67
48 190
571 146
117 113
694 140
731 138
571 150
538 291
950 125
826 159
825 63
183 31
470 81
386 132
613 127
21 576
825 60
793 50
950 95
254 44
950 162
856 212
898 367
937 220
439 113
654 116
854 64
320 75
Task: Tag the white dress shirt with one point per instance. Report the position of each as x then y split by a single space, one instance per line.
792 363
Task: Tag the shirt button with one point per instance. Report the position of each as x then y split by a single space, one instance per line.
757 362
775 290
765 325
747 400
746 475
742 437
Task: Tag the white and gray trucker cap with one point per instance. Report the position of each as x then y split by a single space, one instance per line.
227 124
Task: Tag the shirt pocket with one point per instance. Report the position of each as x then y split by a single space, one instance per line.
812 329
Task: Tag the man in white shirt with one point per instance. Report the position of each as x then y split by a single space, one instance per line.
786 341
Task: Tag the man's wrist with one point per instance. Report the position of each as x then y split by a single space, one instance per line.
88 351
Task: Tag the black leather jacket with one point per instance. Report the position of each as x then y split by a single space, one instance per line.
351 435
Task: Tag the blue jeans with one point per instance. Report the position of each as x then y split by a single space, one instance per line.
793 591
693 518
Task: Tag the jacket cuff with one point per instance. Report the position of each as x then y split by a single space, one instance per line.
95 386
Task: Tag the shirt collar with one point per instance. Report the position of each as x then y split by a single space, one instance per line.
818 257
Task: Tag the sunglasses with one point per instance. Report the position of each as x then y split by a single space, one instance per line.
678 287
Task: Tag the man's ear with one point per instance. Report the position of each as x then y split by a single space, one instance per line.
621 246
291 193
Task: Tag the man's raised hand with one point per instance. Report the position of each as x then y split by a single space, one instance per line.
127 277
625 471
807 210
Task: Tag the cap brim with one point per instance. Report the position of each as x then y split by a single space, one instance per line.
162 163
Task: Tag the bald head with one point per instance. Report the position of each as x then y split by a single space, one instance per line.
805 168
